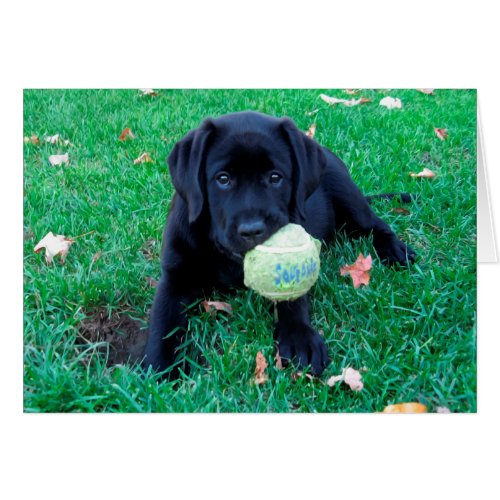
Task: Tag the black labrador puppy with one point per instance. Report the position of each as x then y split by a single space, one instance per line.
238 179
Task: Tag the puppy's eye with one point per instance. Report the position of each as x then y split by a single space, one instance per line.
223 179
275 178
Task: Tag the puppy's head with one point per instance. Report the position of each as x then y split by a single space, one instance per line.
253 174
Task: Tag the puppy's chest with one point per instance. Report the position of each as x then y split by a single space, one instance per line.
226 272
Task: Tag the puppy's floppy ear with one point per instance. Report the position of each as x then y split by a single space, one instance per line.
308 165
186 162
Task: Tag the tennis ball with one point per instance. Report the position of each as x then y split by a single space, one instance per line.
285 266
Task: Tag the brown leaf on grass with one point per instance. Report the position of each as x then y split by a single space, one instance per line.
212 306
334 379
391 102
260 369
150 92
401 210
311 131
33 139
442 133
359 271
346 102
405 408
331 100
144 158
349 376
54 245
56 160
126 134
426 174
426 91
352 91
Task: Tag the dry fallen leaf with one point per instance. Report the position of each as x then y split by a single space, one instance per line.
212 306
401 210
391 102
442 133
260 369
406 408
359 271
58 159
144 158
311 131
426 91
54 245
349 376
334 379
331 100
352 91
32 140
353 379
345 102
426 174
126 134
150 92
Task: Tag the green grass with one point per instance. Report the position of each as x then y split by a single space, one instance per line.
412 331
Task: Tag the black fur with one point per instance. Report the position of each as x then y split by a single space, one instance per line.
239 178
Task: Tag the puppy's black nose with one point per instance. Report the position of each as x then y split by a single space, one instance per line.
251 230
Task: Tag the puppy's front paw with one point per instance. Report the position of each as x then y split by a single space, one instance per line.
304 346
393 251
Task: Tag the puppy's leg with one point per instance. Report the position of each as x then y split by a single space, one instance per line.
167 323
389 247
297 339
360 220
354 214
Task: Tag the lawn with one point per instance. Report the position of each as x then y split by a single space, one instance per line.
411 333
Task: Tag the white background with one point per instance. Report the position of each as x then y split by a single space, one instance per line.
255 44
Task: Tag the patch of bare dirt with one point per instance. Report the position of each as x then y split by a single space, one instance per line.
125 335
